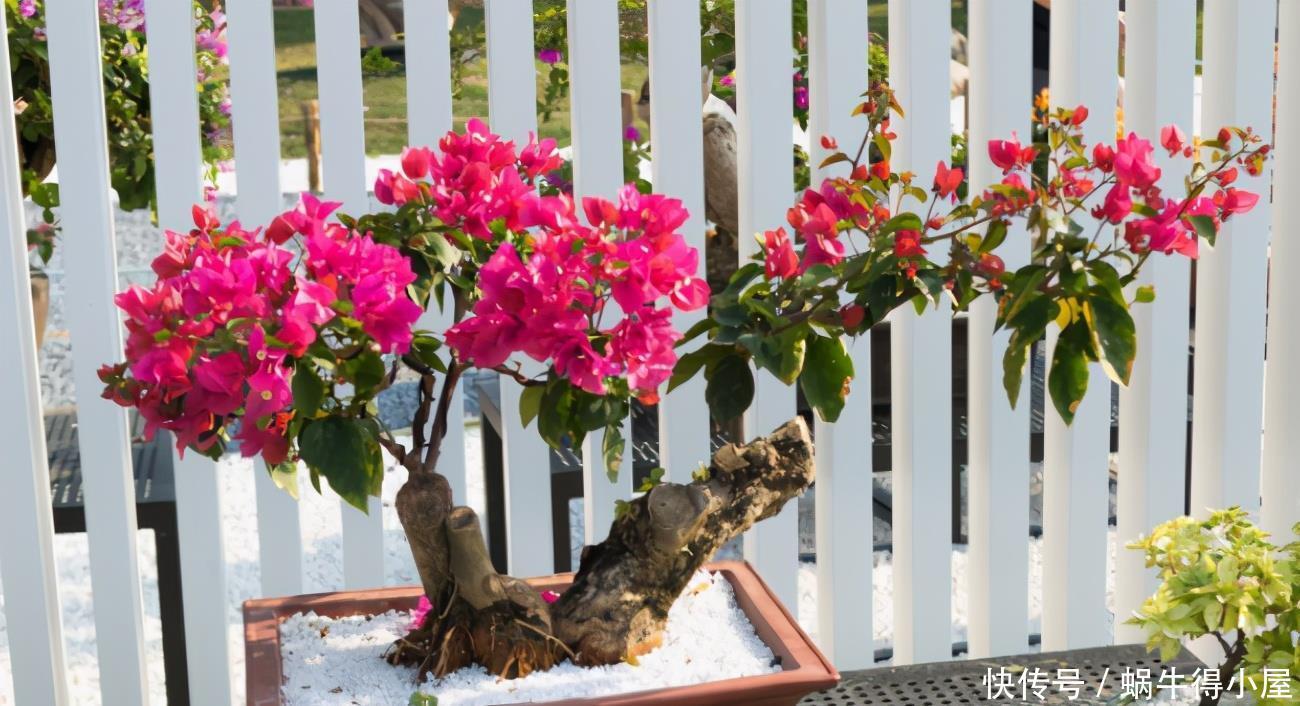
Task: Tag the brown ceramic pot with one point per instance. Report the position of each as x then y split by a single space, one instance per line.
804 669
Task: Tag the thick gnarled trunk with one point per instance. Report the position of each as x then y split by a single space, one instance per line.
618 604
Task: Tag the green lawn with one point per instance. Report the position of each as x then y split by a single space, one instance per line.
385 95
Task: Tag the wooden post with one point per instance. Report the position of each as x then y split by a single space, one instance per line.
311 133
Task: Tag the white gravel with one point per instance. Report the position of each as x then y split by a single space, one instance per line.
331 662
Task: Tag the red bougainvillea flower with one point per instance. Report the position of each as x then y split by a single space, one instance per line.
781 260
1009 154
946 181
1117 205
1233 201
1103 157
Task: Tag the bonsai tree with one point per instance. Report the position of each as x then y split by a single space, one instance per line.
1223 578
126 87
280 339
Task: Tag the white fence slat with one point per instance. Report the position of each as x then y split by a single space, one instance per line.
178 183
837 70
921 355
512 109
1227 403
428 118
1085 39
1281 483
343 170
32 617
95 327
997 472
428 70
255 125
677 169
512 74
1160 55
764 64
595 110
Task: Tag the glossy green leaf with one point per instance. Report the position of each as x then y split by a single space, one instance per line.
828 370
1067 379
1205 228
730 388
530 403
1114 336
285 477
611 449
308 389
346 452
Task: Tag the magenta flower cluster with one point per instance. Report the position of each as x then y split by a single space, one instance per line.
216 336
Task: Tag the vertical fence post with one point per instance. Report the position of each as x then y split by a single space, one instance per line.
1076 487
837 70
595 109
32 616
428 118
255 122
764 64
512 108
178 184
77 81
677 169
921 355
1281 483
1160 55
343 160
997 471
1227 386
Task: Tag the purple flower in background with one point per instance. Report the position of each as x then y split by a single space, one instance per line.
549 56
801 97
213 40
729 80
631 134
27 8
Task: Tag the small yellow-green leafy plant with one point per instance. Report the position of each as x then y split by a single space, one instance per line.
1223 577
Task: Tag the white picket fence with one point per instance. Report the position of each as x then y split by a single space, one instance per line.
1236 398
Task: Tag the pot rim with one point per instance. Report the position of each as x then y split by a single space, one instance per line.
804 669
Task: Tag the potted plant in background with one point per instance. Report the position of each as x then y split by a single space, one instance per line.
126 83
281 338
1222 578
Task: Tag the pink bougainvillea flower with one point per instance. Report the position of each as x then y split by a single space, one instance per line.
1103 157
422 609
550 596
821 249
1078 115
1233 201
1133 163
1117 205
631 134
1172 139
415 162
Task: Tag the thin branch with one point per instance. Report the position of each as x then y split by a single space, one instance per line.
425 397
518 376
393 447
439 431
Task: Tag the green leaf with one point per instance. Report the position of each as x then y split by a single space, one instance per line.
308 389
1067 380
285 477
530 403
425 349
1114 335
702 326
611 449
557 400
345 451
1027 326
903 221
730 388
828 370
444 252
688 365
1145 294
418 699
782 355
1205 228
997 233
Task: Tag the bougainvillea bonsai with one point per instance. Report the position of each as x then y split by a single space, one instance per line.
1222 577
280 338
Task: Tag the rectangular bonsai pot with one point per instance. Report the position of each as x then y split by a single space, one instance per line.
803 668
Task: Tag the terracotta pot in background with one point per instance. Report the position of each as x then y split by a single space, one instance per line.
40 305
804 669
